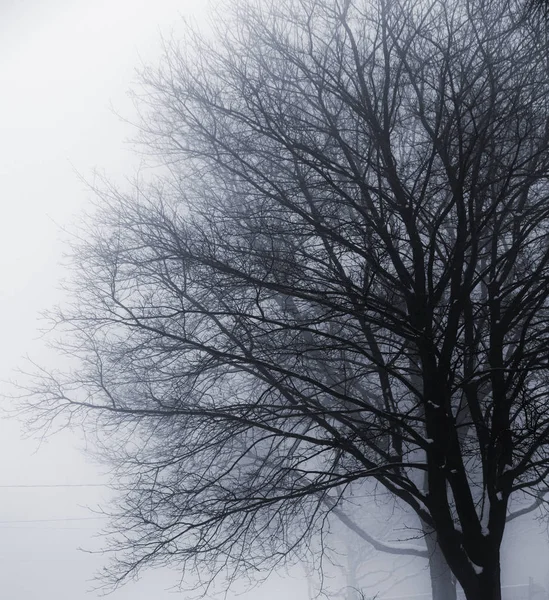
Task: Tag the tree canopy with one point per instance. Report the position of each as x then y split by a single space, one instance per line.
341 276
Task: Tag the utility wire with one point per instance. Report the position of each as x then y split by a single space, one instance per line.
52 520
53 485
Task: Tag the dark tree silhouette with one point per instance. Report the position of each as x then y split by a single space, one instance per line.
343 274
537 9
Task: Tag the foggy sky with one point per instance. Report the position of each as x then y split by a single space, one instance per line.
63 63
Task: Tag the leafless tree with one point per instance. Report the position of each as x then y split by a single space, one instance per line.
343 274
357 566
537 9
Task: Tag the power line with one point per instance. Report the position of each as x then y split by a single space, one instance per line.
52 485
49 528
51 520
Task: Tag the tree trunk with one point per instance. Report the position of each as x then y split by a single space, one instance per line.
443 586
352 591
486 585
490 583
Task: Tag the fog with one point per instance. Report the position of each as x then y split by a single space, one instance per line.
66 67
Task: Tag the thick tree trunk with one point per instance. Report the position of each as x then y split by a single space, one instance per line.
443 586
490 583
486 585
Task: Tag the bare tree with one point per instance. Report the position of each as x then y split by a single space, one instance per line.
373 568
344 275
538 9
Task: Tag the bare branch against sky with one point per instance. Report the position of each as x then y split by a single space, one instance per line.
324 312
63 64
337 284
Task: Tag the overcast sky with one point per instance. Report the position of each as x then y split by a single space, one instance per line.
63 63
